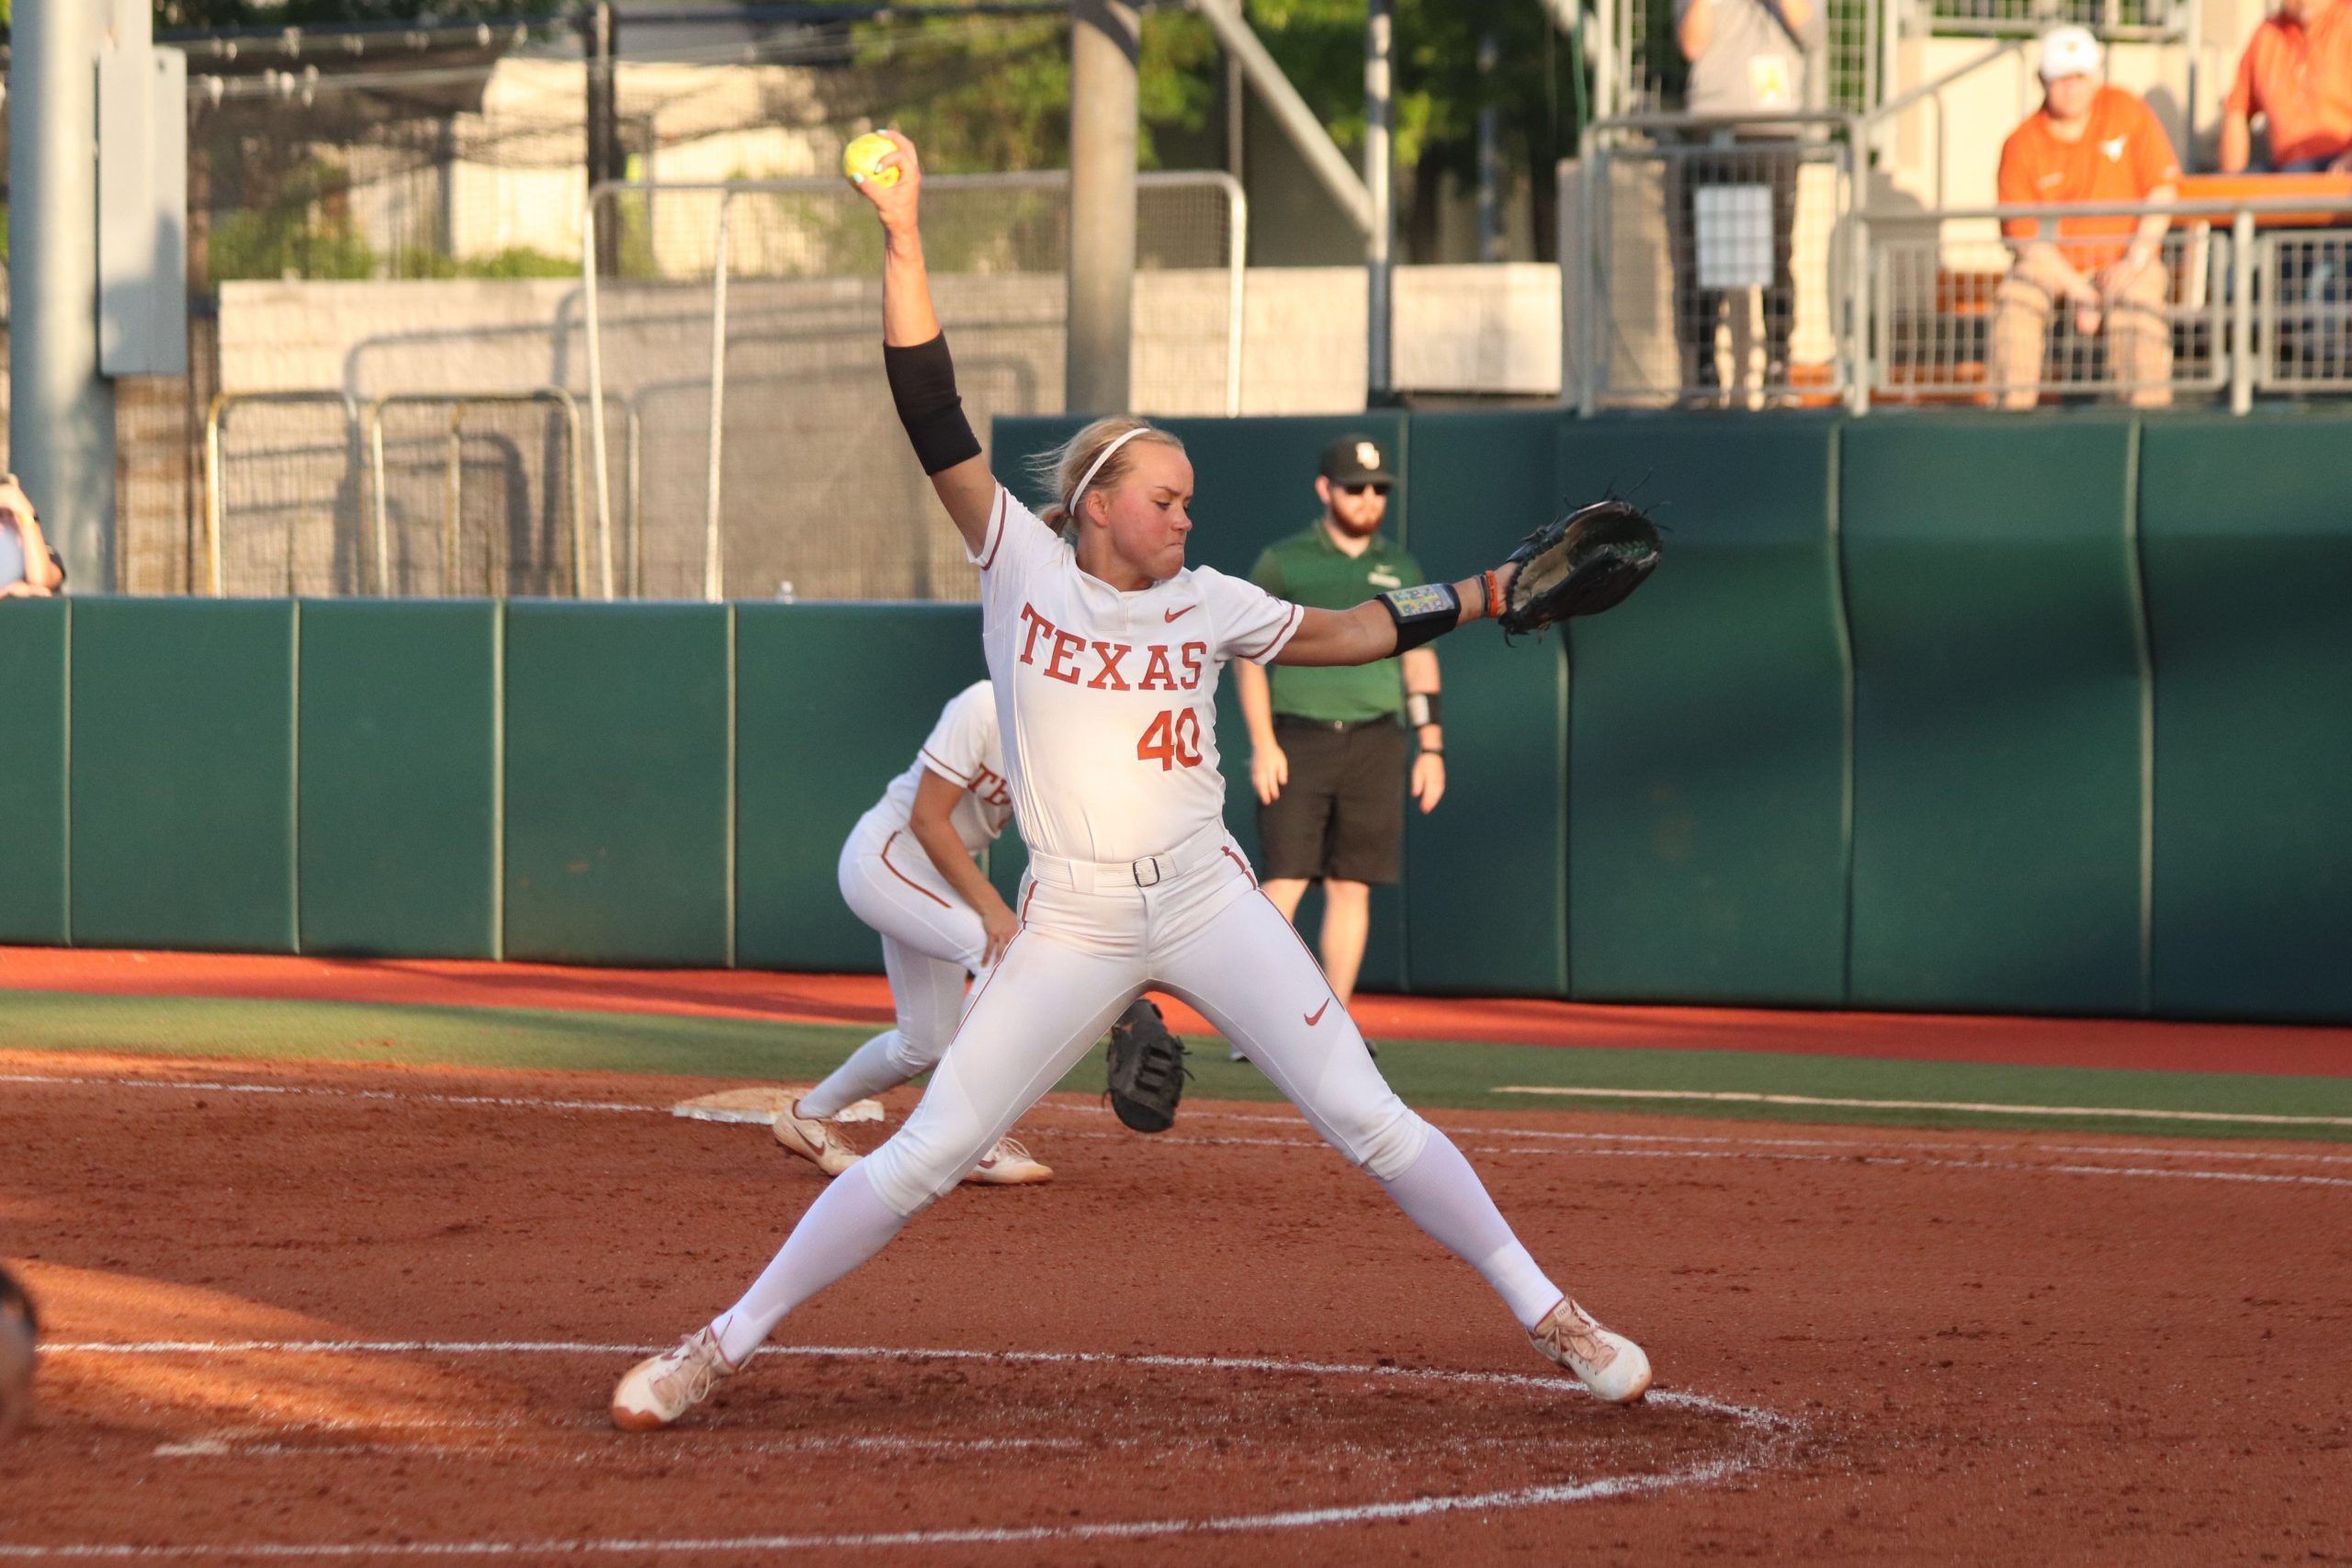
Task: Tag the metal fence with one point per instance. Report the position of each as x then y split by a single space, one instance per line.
2228 308
415 494
2112 19
738 319
1701 268
480 493
1639 69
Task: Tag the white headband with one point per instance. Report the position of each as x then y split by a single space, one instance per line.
1096 467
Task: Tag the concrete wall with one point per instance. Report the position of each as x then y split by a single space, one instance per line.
1459 329
805 501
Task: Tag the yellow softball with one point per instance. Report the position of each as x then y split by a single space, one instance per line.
862 161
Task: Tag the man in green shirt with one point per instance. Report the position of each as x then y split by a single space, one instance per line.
1328 745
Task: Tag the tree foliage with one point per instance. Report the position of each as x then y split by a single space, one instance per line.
998 96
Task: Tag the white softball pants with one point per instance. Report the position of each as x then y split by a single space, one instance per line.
931 938
1090 943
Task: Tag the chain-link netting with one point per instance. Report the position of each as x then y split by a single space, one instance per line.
479 496
287 500
1650 72
1962 315
1715 277
779 348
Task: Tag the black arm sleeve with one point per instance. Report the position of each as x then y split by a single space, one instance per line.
1423 614
922 383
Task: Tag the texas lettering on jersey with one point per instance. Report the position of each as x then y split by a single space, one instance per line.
1070 658
1111 695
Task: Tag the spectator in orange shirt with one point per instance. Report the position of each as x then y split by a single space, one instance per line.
2297 74
2089 142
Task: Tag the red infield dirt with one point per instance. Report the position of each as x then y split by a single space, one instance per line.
300 1310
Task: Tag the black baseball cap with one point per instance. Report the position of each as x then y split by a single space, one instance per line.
1356 459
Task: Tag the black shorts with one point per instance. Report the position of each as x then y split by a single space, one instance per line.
1342 813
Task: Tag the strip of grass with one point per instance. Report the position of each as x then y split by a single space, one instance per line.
1430 1074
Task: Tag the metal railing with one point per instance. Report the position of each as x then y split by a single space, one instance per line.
1704 266
2239 309
804 244
301 504
294 505
2122 20
2248 294
453 488
1637 62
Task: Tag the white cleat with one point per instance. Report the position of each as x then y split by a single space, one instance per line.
821 1144
1611 1366
659 1390
1009 1165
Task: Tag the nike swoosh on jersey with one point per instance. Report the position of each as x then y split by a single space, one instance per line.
1175 614
1316 1016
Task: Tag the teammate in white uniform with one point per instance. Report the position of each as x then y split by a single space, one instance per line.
907 871
1105 655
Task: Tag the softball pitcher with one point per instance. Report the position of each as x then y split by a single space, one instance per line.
907 870
1105 651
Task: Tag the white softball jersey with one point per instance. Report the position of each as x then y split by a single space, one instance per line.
1112 696
963 748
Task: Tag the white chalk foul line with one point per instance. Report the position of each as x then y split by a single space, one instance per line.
518 1102
1767 1431
1731 1096
1137 1529
1861 1155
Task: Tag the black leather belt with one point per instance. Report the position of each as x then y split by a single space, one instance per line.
1330 725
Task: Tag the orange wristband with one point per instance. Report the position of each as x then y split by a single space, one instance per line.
1494 597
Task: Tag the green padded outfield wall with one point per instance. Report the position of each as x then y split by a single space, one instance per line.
183 775
1477 482
2000 734
832 702
398 786
1253 481
1707 854
2245 543
33 634
619 820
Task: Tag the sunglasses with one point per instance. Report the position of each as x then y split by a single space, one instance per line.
1370 487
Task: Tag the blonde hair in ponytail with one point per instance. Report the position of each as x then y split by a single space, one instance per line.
1063 468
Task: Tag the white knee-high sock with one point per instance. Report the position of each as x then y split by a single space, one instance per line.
869 1070
1443 1195
847 1224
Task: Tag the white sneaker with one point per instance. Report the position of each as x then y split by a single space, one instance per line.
659 1390
1009 1165
1611 1366
821 1144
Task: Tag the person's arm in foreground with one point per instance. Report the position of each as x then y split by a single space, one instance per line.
1372 631
922 379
